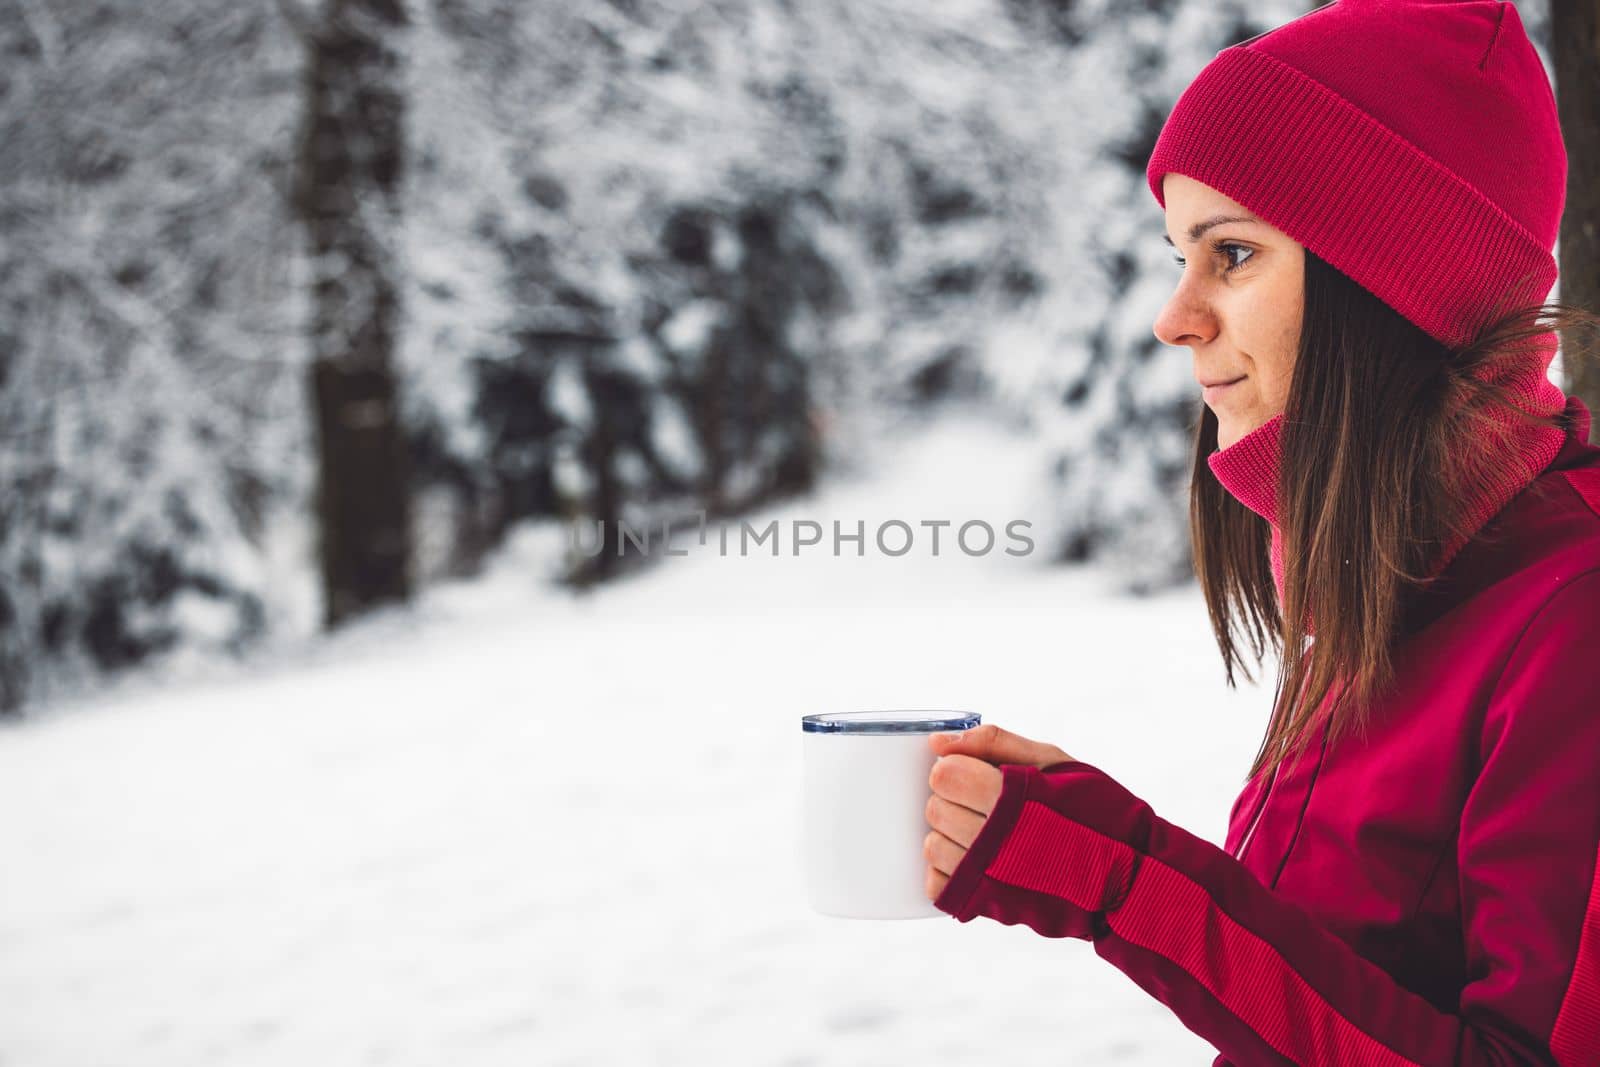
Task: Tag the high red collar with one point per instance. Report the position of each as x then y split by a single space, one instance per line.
1248 468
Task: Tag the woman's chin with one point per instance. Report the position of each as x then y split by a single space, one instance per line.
1231 429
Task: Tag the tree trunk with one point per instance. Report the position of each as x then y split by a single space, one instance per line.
1575 48
347 198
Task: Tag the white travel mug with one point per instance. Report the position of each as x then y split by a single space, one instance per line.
864 810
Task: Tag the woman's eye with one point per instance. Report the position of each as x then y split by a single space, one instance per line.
1227 250
1224 250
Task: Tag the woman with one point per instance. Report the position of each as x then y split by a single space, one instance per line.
1364 202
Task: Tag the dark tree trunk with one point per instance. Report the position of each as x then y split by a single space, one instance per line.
1575 51
347 190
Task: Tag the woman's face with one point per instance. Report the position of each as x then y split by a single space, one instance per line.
1241 323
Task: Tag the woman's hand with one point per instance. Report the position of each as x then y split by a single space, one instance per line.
966 784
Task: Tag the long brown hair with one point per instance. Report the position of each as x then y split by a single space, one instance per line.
1383 429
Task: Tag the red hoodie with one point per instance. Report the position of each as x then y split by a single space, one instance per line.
1425 894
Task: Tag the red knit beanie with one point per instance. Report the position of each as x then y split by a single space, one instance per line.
1411 144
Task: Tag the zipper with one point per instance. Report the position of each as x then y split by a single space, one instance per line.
1260 809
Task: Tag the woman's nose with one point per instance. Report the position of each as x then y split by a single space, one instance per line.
1184 320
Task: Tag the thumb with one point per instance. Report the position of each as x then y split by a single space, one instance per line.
989 742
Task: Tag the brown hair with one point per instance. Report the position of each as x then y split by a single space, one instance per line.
1382 425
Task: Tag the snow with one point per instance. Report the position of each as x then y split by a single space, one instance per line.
689 329
566 395
516 826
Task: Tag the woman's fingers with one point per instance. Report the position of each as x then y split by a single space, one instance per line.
941 852
959 824
968 782
989 742
935 883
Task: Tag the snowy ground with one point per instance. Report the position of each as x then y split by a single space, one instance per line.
516 828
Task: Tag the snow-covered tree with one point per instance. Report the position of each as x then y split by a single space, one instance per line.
146 420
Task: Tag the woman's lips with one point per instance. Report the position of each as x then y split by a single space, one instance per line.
1213 392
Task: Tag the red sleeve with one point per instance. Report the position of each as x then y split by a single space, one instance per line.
1069 852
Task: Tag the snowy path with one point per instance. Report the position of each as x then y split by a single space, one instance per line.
511 828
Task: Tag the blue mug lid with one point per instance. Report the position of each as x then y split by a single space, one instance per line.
889 722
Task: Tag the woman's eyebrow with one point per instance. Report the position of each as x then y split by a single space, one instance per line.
1216 220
